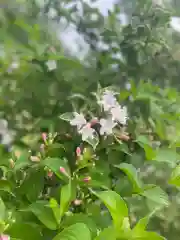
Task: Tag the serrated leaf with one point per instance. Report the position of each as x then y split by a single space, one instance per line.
116 206
131 172
77 231
175 177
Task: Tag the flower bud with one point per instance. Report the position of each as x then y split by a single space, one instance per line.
77 202
44 137
78 151
11 163
34 159
50 174
87 179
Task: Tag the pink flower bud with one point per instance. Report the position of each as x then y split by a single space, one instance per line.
44 137
4 237
50 174
87 179
78 151
62 170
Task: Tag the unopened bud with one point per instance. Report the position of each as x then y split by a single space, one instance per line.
44 137
87 179
34 159
77 202
63 171
78 151
11 163
124 137
50 174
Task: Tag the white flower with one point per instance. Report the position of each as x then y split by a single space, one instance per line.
51 65
119 114
108 100
78 120
87 132
107 126
175 23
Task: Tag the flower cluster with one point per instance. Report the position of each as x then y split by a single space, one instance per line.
116 114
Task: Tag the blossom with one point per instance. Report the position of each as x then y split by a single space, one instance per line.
51 65
87 132
4 237
119 114
107 126
108 100
78 120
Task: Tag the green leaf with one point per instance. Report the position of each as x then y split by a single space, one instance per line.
67 116
81 218
131 172
107 234
44 213
156 195
142 223
66 197
167 155
77 231
54 164
116 206
175 177
145 235
2 210
22 161
5 186
25 231
94 141
55 208
33 184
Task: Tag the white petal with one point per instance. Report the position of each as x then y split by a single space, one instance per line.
78 120
51 64
119 114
